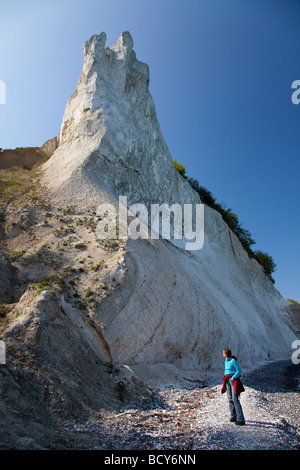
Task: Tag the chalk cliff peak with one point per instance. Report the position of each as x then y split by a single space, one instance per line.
110 142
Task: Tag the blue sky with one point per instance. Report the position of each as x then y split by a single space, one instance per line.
220 74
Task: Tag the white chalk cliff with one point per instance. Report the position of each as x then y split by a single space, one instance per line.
173 306
110 140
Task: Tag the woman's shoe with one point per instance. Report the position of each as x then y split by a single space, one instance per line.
232 420
240 423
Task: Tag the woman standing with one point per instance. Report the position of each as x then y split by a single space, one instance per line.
233 386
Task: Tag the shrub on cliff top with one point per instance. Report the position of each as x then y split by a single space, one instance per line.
231 220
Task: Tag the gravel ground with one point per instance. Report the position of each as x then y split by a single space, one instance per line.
195 416
271 405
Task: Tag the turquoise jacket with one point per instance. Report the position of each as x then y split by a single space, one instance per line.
232 367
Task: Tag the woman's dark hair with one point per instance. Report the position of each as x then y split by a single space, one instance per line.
228 353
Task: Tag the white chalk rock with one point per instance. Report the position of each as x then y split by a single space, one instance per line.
174 306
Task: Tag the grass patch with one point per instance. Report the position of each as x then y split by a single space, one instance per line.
3 310
42 286
18 185
60 282
80 246
110 244
88 293
13 182
98 266
17 254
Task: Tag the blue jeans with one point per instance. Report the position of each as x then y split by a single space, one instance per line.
235 407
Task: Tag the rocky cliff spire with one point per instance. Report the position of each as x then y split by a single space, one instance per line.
110 140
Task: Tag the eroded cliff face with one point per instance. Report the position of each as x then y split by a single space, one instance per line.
178 306
168 305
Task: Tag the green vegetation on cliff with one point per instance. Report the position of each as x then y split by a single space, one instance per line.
231 220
